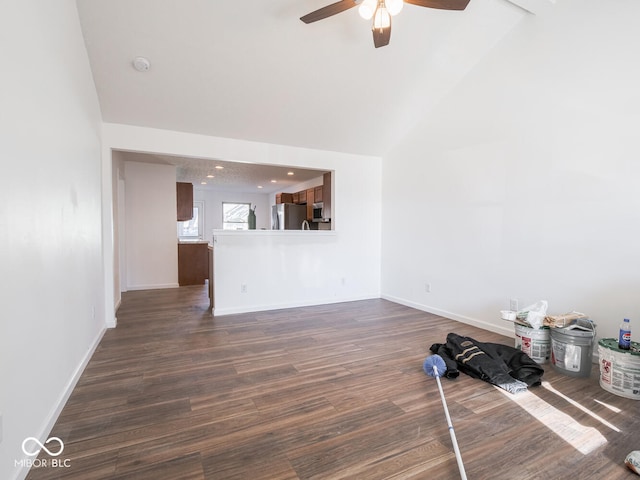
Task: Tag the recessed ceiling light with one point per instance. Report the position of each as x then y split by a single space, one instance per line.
259 186
210 176
203 183
289 173
274 181
219 167
141 64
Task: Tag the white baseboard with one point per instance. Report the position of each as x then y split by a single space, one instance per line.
51 419
506 331
153 286
219 312
113 323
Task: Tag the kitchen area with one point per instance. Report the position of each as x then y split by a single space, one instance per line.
195 255
307 208
247 269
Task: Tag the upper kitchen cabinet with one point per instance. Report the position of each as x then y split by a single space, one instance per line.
326 195
317 194
184 195
310 201
284 197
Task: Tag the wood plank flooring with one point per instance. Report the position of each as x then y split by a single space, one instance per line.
325 392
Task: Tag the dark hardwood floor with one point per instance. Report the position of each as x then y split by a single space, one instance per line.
323 392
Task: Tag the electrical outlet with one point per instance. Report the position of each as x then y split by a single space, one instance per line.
427 288
513 304
243 288
343 281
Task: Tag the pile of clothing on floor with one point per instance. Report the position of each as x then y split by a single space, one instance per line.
503 366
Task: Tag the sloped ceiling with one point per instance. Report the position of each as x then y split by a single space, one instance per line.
252 70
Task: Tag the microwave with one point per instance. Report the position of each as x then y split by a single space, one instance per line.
317 213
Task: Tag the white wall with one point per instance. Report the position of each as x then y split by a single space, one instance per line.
151 226
523 183
295 268
266 270
357 199
213 207
51 288
119 229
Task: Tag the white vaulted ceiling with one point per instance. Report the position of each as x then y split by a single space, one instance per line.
252 70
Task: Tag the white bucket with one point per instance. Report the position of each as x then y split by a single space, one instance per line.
619 369
535 342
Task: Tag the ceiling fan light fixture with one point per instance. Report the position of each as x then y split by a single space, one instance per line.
394 7
381 11
382 19
367 9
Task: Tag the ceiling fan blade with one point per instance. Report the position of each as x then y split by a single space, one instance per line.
328 11
441 4
381 36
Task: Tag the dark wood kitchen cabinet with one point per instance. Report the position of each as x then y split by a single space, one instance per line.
184 196
193 263
326 195
310 201
284 197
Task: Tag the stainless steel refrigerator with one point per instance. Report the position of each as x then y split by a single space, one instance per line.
288 216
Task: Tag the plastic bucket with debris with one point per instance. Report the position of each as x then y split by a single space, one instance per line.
572 348
619 369
534 342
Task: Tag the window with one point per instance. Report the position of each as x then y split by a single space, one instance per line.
192 229
235 216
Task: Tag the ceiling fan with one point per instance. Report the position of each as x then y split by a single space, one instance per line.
381 11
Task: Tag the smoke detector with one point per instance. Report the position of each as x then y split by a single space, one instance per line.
141 64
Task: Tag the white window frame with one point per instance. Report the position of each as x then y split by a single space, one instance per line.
186 228
235 225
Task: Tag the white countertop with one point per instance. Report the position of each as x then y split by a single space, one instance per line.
275 233
190 242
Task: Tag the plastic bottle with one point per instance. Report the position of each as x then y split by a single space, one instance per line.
624 339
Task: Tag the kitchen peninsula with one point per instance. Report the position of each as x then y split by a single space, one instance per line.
266 269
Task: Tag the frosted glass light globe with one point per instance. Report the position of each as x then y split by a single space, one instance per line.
367 8
394 6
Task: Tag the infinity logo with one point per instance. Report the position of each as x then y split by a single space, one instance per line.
42 447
